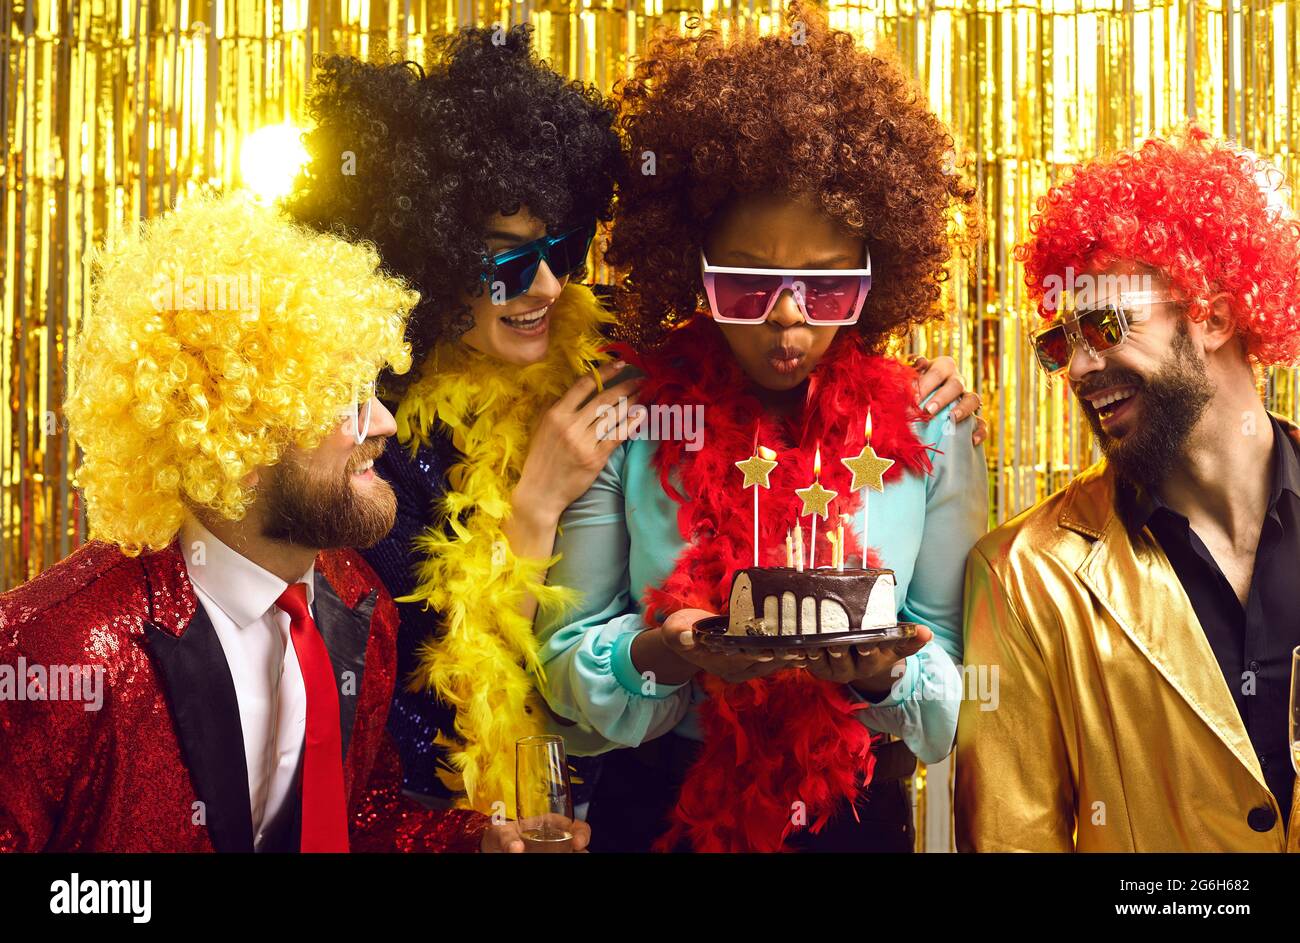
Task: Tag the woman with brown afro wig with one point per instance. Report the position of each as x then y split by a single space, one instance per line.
788 212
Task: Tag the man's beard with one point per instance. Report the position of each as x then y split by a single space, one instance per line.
1173 401
306 510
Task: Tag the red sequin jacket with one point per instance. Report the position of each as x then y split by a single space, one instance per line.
158 764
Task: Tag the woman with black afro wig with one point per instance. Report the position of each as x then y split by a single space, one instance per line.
480 180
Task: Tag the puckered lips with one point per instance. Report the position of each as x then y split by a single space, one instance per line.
785 359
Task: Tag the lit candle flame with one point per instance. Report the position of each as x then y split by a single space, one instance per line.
867 429
817 462
765 453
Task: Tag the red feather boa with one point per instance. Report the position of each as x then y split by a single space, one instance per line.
789 737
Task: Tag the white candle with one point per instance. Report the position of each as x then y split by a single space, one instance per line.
757 468
817 477
866 494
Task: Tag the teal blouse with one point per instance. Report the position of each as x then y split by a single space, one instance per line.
622 536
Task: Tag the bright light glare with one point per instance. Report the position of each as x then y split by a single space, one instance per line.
270 158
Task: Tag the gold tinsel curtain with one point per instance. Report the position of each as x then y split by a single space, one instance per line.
111 110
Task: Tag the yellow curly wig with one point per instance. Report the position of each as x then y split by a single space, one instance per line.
219 334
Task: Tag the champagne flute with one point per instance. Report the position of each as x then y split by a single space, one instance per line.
543 797
1295 710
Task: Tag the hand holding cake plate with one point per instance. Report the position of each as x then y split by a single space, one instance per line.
681 637
871 669
869 661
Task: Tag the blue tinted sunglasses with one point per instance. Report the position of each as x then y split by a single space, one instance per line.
514 269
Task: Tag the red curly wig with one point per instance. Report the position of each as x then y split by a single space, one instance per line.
1192 208
802 112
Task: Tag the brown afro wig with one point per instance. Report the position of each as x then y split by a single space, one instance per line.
802 112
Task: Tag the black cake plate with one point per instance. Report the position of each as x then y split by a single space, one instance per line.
713 633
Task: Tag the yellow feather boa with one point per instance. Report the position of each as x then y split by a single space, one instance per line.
483 662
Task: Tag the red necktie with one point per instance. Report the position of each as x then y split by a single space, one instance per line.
324 810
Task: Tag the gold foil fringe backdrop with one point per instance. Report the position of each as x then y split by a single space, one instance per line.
112 111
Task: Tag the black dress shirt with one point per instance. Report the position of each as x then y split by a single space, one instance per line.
1253 645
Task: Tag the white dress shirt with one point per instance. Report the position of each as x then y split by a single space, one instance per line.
239 597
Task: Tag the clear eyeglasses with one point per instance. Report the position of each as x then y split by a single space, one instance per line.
356 418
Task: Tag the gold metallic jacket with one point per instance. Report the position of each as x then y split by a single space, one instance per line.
1114 729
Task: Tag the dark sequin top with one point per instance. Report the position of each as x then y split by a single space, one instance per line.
417 716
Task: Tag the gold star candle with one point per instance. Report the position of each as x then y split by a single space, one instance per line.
868 474
816 501
757 468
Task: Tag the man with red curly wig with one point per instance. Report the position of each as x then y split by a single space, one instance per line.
1141 621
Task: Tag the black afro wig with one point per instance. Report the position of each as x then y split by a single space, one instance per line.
417 161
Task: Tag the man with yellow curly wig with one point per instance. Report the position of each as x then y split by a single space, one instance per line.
239 656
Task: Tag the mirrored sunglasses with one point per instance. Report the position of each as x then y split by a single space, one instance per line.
1098 329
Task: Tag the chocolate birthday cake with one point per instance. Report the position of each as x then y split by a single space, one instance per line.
789 601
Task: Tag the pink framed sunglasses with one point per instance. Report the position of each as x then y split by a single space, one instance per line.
747 295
